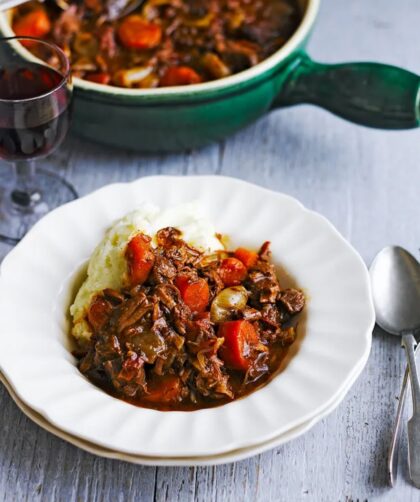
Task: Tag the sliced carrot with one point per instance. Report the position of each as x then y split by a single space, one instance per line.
238 336
140 259
179 75
232 271
98 313
247 257
135 32
165 389
99 78
34 24
194 292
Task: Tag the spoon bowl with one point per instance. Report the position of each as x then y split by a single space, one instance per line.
117 9
395 279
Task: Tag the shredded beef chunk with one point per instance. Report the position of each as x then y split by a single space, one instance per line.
293 300
189 331
262 281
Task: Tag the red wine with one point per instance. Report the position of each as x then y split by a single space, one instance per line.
31 128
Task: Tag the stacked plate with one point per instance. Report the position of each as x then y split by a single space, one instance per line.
37 284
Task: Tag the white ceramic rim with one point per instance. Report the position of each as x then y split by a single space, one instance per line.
232 456
288 48
234 437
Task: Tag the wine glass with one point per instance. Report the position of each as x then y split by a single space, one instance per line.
35 112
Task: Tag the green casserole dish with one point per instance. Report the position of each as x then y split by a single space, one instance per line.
185 117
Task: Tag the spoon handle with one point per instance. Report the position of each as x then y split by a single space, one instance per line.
396 433
409 342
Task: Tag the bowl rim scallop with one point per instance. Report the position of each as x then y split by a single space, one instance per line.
224 458
39 367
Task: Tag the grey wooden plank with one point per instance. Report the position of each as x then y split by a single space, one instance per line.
36 466
367 183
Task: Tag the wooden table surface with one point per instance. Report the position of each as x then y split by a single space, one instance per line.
367 183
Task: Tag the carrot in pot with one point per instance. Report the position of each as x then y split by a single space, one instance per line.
140 259
238 336
99 78
165 389
232 271
194 292
247 257
135 32
34 24
179 75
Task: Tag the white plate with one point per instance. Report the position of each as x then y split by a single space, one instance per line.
34 296
232 456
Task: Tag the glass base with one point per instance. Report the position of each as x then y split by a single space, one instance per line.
19 211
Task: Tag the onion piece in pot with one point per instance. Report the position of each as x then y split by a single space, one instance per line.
227 303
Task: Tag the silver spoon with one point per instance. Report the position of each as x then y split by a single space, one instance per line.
396 433
395 277
115 9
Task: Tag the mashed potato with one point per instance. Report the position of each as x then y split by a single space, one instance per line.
107 267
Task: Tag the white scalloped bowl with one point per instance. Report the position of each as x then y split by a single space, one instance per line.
35 281
230 456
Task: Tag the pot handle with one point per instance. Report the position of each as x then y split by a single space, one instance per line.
370 94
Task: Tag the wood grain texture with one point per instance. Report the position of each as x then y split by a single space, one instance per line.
368 184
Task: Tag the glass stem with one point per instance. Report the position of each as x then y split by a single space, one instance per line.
24 195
